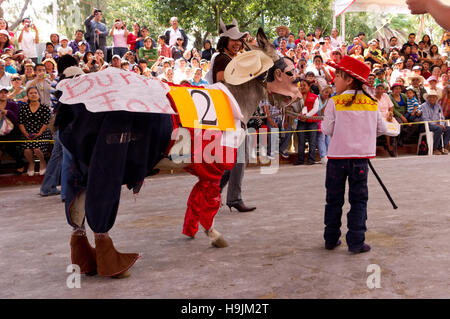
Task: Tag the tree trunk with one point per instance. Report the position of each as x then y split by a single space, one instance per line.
19 19
2 12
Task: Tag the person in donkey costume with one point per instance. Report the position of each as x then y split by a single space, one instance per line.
353 122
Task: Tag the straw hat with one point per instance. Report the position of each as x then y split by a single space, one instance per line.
50 60
233 33
353 67
415 76
431 93
247 66
281 27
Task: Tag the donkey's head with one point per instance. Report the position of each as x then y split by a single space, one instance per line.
265 45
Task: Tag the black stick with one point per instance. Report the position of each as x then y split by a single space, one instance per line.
382 185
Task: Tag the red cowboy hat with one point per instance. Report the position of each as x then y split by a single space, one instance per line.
353 67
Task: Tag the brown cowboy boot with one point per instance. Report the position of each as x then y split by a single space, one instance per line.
111 263
82 253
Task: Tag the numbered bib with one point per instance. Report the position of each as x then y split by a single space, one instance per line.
203 108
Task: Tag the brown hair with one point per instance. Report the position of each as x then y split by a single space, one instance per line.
356 85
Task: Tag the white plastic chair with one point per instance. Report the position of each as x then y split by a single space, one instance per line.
429 136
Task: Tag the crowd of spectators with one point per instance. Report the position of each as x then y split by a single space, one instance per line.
408 79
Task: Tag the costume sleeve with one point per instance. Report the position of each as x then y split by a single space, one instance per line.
329 118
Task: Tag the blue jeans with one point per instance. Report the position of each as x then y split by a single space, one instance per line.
312 140
322 144
284 140
438 131
120 51
67 162
53 171
338 171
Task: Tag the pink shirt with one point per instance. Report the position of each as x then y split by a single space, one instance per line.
353 129
384 104
119 39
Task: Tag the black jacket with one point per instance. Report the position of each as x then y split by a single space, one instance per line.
183 34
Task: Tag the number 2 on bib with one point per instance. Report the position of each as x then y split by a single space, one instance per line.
205 107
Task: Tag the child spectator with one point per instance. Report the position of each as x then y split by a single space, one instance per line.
380 77
81 50
50 49
413 111
64 49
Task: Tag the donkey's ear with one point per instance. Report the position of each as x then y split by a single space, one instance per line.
222 27
262 38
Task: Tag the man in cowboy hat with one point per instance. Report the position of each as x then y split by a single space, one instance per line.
432 111
417 81
282 33
353 122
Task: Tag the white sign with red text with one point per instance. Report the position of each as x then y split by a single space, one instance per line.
116 90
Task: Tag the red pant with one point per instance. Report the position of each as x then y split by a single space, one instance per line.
204 200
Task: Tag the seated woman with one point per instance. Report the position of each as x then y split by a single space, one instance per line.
9 111
386 108
33 120
400 102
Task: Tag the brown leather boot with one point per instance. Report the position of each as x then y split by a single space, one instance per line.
82 254
111 263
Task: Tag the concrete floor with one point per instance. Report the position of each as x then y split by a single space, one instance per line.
275 252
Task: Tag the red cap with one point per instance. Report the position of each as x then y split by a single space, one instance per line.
353 67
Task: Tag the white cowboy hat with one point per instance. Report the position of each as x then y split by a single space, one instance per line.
247 66
416 76
431 93
73 71
232 33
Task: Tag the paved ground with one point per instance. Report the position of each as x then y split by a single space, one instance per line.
275 251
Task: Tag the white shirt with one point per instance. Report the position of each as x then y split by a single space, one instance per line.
335 43
174 35
66 50
5 80
28 44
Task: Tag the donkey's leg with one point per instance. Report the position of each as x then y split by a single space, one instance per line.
81 252
210 205
202 206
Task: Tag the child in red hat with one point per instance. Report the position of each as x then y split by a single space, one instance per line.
353 122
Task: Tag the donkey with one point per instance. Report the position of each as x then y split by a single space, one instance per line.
114 148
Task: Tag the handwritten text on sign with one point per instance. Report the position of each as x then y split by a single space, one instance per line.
116 90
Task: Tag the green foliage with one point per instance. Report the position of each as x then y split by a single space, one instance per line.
71 15
200 18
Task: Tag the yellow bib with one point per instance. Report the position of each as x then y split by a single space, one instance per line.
361 103
203 108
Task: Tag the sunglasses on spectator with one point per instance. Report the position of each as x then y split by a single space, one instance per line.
15 79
